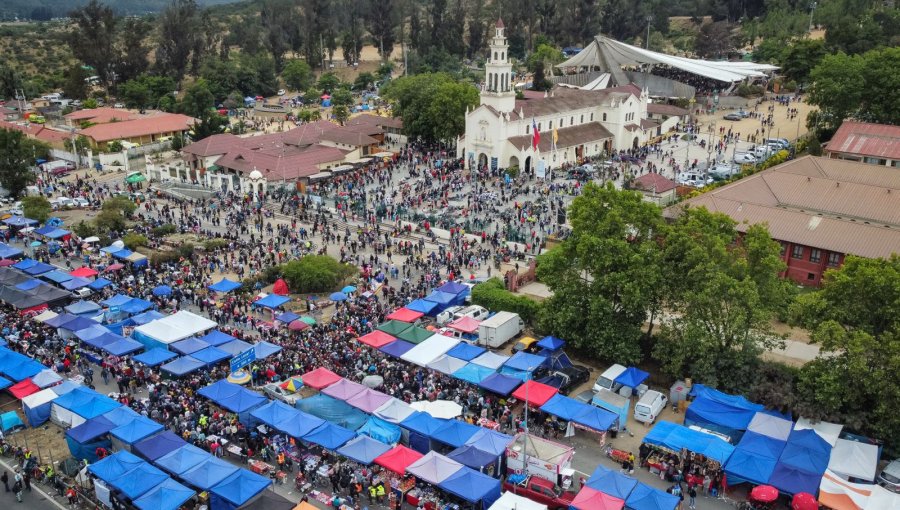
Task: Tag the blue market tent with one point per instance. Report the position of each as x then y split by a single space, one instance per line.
396 348
182 459
611 482
422 306
466 351
115 465
329 436
363 449
473 373
232 397
144 318
237 490
217 338
92 332
278 415
443 298
224 285
23 370
29 284
271 301
139 480
473 487
44 230
82 307
120 416
675 437
183 365
595 418
59 320
117 300
303 425
522 365
380 430
83 440
8 252
24 264
500 384
122 346
211 355
155 356
287 317
77 324
56 276
632 377
39 268
265 349
490 441
10 421
19 221
714 410
333 410
152 448
749 466
169 495
762 445
162 290
136 430
57 233
209 473
563 407
136 305
5 383
806 450
644 497
99 283
792 480
421 427
453 288
468 455
76 283
235 347
551 343
454 433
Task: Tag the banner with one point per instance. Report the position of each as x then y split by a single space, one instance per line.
541 170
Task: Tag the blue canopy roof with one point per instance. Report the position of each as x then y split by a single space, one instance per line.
490 441
750 466
423 423
644 497
8 252
240 487
466 351
152 448
380 430
29 284
397 348
122 254
287 317
56 233
19 221
99 283
120 416
5 383
115 465
224 285
39 268
551 343
265 349
611 482
80 307
455 433
182 459
23 370
363 449
122 346
304 424
422 306
500 384
90 429
78 323
162 290
525 361
473 373
595 417
136 305
632 377
155 356
59 320
472 486
563 407
761 445
441 298
209 473
271 301
217 338
713 407
233 397
137 429
183 365
211 355
169 495
468 455
329 436
276 413
806 450
117 300
144 318
792 480
76 283
57 276
139 480
675 437
453 288
235 347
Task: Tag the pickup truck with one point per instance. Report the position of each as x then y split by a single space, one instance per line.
540 490
566 378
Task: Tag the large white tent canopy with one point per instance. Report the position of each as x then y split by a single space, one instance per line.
429 350
853 458
176 327
611 55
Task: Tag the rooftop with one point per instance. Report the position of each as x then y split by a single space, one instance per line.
152 125
568 137
832 204
38 131
666 109
564 100
653 182
866 139
100 115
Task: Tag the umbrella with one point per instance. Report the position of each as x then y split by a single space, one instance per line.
804 501
297 325
293 384
114 267
373 381
308 320
438 408
92 239
764 493
239 377
338 296
348 289
35 243
162 290
6 262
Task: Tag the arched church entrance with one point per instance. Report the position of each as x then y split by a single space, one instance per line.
527 168
513 161
634 144
482 160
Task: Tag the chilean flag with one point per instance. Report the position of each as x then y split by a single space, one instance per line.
536 136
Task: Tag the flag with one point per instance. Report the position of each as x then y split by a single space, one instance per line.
555 138
535 137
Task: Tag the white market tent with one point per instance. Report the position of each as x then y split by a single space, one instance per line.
827 431
770 426
190 322
429 350
854 459
839 494
394 411
510 501
491 360
447 364
174 327
45 316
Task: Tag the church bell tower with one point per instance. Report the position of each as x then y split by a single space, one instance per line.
498 90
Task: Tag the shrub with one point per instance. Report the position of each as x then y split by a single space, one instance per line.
316 273
124 205
133 240
186 250
513 171
494 296
36 207
164 230
215 244
163 257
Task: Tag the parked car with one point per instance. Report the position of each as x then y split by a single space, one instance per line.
542 491
649 406
581 173
744 158
733 116
889 478
527 344
277 392
281 92
566 378
61 170
608 379
81 202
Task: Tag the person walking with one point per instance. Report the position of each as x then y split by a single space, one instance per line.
5 479
18 486
692 494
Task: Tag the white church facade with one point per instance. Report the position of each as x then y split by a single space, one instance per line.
573 124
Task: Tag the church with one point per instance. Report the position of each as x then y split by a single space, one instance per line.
572 124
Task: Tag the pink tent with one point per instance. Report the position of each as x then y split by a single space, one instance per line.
590 499
281 288
376 339
465 324
83 272
320 378
368 400
344 389
405 315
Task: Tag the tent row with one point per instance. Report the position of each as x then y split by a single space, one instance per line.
22 289
608 489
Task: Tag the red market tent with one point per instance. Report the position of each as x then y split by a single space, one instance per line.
465 324
320 378
537 394
376 339
405 315
23 389
84 272
281 287
297 325
398 458
590 499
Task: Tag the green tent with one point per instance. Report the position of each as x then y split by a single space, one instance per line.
135 177
394 328
415 335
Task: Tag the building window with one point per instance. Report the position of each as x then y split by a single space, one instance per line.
783 249
551 125
502 55
797 252
810 276
495 55
834 259
592 117
539 127
582 122
571 121
604 117
815 255
527 128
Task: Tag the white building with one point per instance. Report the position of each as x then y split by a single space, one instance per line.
584 123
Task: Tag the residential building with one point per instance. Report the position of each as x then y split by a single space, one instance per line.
875 144
139 129
819 209
655 188
55 138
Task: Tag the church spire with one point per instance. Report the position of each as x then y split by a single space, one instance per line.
498 90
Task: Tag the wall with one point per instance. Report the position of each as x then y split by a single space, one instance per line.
800 269
115 162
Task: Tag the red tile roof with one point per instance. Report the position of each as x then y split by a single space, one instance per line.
866 139
276 166
653 182
100 115
213 145
568 137
37 131
153 125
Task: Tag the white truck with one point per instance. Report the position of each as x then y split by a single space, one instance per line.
499 329
546 459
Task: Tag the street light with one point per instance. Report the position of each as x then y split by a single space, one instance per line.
525 443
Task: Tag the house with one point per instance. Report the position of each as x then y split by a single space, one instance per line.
875 144
655 188
667 115
819 209
55 138
98 116
139 129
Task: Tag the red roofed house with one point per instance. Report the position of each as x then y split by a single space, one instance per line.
55 138
140 130
655 188
875 144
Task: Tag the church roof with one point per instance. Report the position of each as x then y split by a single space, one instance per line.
568 137
500 23
564 101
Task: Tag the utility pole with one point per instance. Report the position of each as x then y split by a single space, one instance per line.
647 42
812 10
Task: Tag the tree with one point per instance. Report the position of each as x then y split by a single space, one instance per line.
316 273
714 40
10 81
121 205
604 275
279 21
93 39
181 39
381 19
133 49
342 97
37 208
855 318
135 94
134 240
329 82
363 81
544 54
15 154
433 106
801 57
109 221
75 86
341 113
726 292
297 75
197 100
494 296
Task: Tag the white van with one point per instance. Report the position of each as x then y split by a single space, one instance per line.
607 379
476 312
649 406
447 315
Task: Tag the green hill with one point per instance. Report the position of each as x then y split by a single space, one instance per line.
48 9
